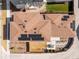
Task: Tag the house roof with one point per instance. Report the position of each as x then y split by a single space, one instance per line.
61 28
49 27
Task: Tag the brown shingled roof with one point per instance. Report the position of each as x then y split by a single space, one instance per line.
51 27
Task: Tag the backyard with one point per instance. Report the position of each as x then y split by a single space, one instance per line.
57 7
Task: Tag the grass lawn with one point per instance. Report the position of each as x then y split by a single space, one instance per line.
57 7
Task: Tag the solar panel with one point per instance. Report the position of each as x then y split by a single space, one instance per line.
36 37
23 37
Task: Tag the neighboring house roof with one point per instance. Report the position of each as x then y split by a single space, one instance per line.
21 3
0 0
58 0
